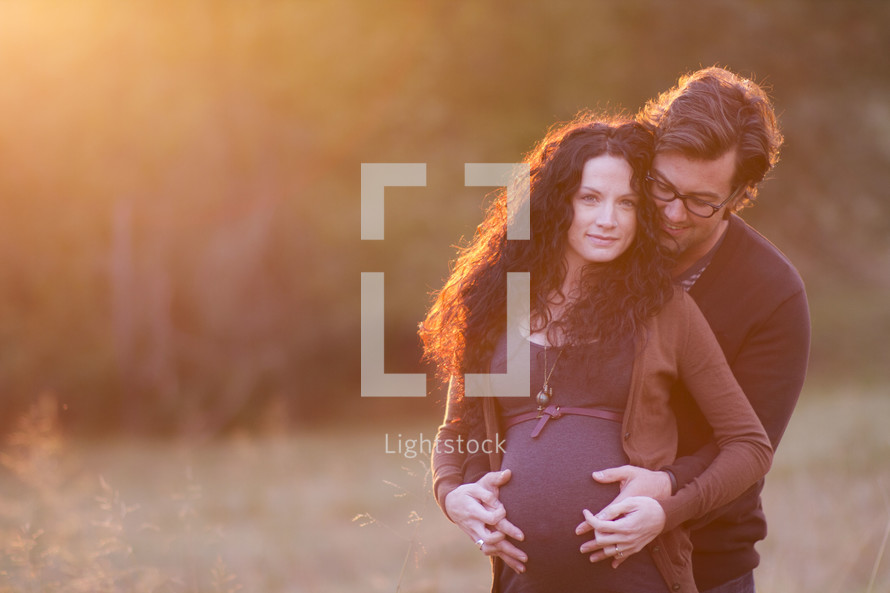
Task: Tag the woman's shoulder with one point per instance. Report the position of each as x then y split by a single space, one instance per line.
680 311
678 301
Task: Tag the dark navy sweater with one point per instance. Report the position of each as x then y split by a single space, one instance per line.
755 302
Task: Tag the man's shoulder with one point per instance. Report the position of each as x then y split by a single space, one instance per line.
747 258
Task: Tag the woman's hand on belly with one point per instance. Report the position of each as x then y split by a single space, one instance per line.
622 529
478 511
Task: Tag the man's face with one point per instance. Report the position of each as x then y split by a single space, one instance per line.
689 236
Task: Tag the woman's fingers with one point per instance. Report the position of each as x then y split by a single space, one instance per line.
583 527
511 555
495 543
478 511
596 546
509 529
627 528
600 550
463 506
494 480
517 565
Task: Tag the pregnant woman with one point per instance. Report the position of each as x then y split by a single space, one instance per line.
609 336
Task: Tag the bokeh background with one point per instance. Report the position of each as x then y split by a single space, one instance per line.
180 262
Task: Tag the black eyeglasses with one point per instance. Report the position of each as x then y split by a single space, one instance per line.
665 192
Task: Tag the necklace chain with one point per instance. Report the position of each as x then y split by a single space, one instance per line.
553 368
546 394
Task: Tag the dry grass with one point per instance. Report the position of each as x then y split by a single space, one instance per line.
828 498
334 512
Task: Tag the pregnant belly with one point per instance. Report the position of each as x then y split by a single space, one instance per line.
552 483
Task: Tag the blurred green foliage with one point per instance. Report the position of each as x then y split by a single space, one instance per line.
180 181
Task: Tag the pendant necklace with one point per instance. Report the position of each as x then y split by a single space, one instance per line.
546 394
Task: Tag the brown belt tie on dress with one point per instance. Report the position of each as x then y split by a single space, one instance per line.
552 411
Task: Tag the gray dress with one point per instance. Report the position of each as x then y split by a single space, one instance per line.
552 481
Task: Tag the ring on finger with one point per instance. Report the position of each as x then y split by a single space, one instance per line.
618 552
479 543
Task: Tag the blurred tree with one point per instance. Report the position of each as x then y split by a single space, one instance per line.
179 181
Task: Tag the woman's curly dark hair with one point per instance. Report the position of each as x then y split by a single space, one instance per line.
468 315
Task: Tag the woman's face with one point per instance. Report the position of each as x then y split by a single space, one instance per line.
605 213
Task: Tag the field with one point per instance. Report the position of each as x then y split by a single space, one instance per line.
332 510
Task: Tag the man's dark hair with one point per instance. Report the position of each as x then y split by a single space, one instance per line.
712 111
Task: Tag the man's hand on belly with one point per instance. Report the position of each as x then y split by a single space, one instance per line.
636 481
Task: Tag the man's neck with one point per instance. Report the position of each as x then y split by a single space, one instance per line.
690 257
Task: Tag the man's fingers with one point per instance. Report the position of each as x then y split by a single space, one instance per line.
608 476
636 481
613 474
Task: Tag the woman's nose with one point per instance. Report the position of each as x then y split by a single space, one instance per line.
606 216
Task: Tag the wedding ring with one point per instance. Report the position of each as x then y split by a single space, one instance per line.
479 543
618 552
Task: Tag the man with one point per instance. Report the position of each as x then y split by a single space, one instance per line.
716 139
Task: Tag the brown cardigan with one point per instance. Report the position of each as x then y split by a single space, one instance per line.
677 345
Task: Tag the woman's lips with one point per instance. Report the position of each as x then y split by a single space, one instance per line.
602 239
